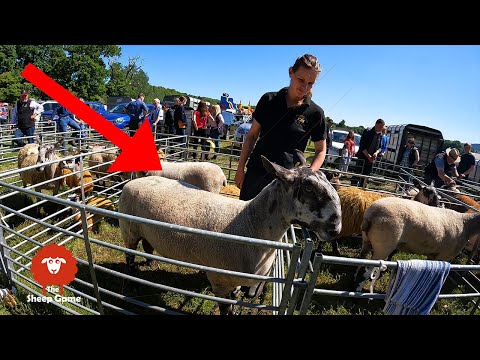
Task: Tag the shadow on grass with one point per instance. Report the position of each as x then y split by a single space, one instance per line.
182 278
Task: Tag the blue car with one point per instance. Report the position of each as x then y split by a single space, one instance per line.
98 107
50 106
119 118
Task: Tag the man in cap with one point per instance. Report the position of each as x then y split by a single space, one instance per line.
24 115
467 162
441 167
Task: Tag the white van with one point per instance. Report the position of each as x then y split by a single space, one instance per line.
337 144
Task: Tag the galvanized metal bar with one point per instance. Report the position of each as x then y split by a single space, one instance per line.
181 291
348 294
185 264
114 214
39 294
5 254
88 250
126 299
307 296
286 294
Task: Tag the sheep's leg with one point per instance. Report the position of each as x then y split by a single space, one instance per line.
360 275
148 248
130 258
221 290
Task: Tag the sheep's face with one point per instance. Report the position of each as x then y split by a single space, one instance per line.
428 195
315 204
42 155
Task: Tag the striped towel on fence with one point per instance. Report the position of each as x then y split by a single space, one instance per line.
415 286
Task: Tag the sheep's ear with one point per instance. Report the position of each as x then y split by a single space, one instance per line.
44 260
300 157
39 139
417 184
279 171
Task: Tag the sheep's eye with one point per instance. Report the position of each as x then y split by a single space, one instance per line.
308 188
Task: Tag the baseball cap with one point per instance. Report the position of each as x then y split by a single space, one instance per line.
454 153
24 92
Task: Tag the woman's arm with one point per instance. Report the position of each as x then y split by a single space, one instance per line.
247 148
320 153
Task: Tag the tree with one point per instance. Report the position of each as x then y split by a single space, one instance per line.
452 144
341 124
8 55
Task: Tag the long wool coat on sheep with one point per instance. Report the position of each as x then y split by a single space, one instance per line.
207 176
296 196
28 156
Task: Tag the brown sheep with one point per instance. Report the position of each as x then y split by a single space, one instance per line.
94 221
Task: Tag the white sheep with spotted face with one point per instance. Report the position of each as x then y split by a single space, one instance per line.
296 196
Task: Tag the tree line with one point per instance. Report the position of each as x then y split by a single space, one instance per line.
92 72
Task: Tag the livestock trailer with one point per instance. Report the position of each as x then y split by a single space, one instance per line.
429 142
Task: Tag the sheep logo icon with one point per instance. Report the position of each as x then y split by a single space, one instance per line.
54 265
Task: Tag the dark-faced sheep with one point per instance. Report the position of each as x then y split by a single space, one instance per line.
297 196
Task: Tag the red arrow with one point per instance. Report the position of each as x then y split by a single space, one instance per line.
138 152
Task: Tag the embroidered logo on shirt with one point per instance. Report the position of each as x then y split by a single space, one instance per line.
301 120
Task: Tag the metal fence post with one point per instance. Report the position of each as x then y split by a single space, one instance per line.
7 264
88 249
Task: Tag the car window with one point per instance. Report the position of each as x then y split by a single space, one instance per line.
338 136
50 106
118 109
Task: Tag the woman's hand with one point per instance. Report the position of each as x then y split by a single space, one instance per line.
239 177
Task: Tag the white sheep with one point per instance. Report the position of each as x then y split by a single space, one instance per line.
297 195
32 154
398 224
101 161
206 176
355 201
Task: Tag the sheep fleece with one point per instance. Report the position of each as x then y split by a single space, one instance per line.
206 176
354 203
161 199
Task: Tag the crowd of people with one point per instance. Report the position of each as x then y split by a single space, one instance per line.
283 122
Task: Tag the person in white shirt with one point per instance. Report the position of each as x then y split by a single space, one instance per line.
157 117
24 115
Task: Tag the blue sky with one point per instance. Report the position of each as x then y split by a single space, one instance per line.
435 86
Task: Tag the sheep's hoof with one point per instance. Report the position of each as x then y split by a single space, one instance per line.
253 291
225 309
148 262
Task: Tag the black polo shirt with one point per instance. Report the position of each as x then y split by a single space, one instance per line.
466 161
285 129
